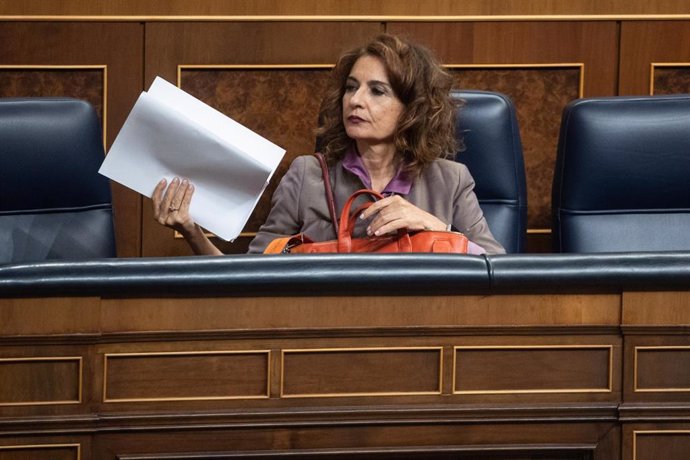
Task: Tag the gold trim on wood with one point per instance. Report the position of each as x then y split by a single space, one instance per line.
554 65
608 389
44 446
654 65
106 356
648 432
50 358
340 350
348 18
103 67
636 388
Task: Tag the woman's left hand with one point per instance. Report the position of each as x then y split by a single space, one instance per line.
394 213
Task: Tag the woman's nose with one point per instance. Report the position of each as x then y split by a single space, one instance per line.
356 97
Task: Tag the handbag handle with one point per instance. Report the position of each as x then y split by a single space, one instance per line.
348 220
328 189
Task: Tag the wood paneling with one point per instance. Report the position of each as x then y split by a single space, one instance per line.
670 79
644 43
82 44
662 369
363 372
180 376
38 381
656 444
336 7
43 316
170 45
41 451
527 369
656 308
120 315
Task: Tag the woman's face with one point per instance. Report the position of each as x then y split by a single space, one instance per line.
370 107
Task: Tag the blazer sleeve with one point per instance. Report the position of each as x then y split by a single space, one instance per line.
468 216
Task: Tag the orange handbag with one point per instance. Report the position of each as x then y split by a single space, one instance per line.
403 241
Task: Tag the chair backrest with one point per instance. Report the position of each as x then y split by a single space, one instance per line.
622 178
489 129
53 202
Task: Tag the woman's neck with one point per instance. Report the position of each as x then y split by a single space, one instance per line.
381 163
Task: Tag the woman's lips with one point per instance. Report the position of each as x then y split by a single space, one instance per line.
354 119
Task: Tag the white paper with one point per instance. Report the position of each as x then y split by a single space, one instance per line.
170 134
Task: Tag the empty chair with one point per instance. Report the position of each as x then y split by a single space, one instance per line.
622 178
53 202
488 127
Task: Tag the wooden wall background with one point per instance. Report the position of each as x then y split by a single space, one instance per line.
265 63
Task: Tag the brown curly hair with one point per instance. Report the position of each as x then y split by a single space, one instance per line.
426 128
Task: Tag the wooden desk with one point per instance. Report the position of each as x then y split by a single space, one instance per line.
596 374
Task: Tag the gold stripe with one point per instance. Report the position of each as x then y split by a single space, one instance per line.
186 353
48 359
636 388
580 65
44 446
351 18
103 67
338 350
648 432
534 347
653 67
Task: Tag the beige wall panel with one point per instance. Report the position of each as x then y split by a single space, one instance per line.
646 42
170 45
336 7
374 372
118 47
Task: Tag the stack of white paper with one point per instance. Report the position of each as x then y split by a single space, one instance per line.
172 134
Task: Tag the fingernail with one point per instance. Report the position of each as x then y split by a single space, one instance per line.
175 179
162 181
369 231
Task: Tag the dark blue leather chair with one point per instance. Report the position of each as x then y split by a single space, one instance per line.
622 178
488 126
53 202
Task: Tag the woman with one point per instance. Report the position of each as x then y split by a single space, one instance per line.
387 124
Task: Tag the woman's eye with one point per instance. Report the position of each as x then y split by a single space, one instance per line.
350 87
376 91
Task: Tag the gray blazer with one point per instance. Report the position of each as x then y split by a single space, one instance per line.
444 189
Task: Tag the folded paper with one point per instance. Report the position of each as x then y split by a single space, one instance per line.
169 133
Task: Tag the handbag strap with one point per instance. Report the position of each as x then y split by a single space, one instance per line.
328 189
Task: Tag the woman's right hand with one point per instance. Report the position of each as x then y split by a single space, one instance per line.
171 205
